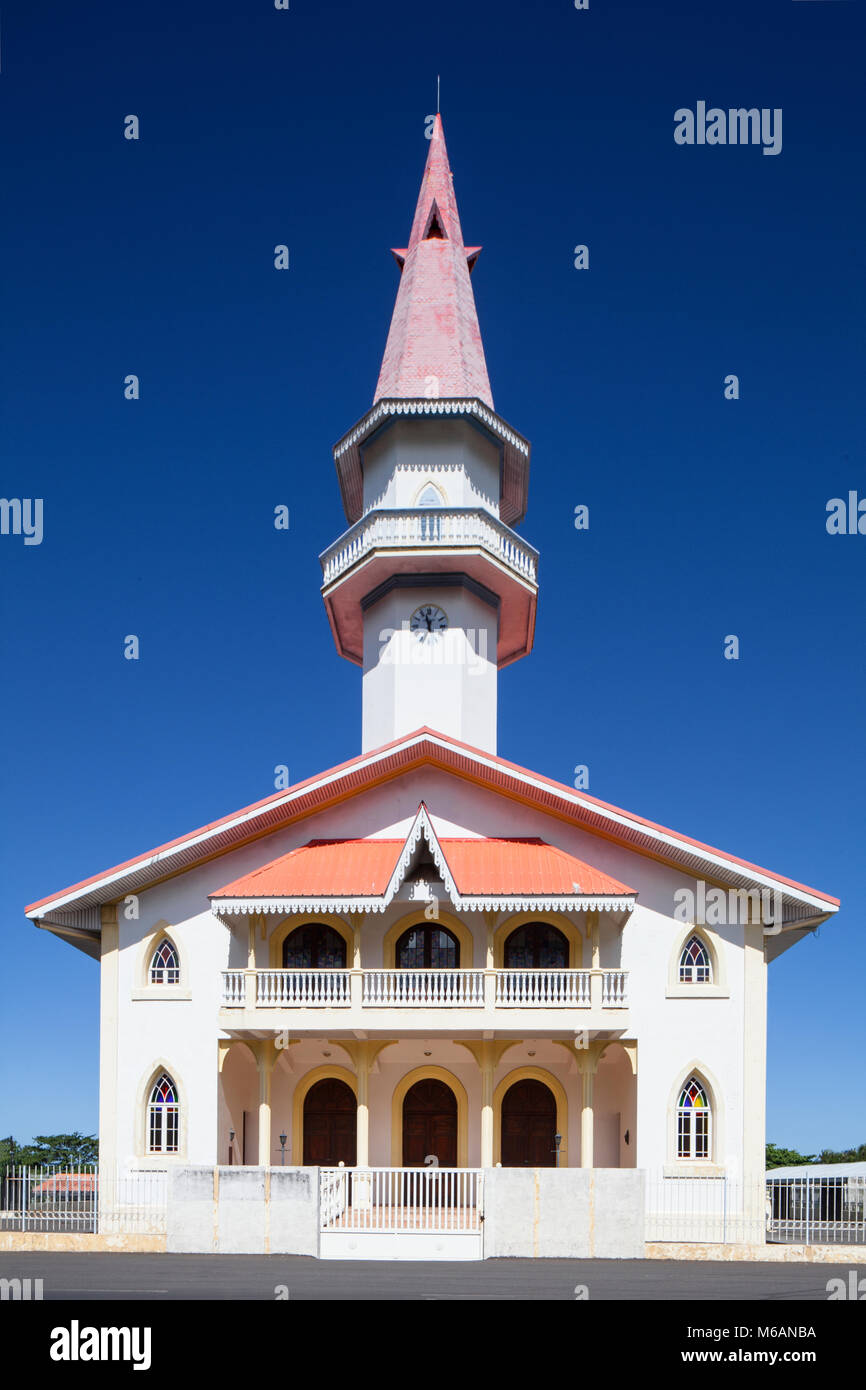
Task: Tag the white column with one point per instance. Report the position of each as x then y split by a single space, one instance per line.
264 1059
487 1065
362 1065
586 1119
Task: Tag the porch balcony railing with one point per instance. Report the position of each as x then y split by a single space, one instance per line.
613 984
546 988
444 527
309 988
425 989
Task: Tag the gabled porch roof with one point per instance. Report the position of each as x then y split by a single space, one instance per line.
476 873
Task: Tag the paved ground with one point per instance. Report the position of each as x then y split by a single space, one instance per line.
102 1277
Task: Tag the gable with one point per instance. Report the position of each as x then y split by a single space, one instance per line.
377 794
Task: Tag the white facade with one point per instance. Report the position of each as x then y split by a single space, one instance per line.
671 1032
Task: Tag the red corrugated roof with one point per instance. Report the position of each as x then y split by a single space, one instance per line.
480 868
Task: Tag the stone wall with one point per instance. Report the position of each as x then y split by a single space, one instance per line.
564 1213
243 1211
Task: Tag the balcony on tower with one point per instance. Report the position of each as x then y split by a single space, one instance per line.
430 486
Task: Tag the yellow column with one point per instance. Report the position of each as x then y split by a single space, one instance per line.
265 1060
488 1062
586 1119
487 1053
363 1054
595 977
250 978
362 1066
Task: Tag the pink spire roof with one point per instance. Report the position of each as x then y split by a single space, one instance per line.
434 344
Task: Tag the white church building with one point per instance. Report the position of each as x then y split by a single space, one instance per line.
430 954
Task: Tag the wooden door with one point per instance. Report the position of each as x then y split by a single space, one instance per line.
528 1126
430 1124
330 1124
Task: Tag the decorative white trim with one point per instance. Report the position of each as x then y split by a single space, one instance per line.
232 907
423 406
420 826
225 907
581 902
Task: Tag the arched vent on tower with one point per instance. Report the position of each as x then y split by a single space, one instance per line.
430 496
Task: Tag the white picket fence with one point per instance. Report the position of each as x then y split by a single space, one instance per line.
396 1200
59 1199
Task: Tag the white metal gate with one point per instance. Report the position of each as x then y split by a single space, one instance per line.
400 1213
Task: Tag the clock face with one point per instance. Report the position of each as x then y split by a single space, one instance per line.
427 622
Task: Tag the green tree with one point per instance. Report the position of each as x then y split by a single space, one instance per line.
785 1158
857 1155
64 1150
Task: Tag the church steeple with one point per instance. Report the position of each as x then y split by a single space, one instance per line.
434 345
430 590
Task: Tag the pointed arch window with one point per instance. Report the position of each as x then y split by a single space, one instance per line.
165 964
694 1119
695 965
163 1117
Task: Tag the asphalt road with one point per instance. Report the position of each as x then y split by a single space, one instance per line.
107 1277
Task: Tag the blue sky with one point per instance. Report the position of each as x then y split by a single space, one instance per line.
707 516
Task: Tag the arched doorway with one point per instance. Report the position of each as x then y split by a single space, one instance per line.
330 1123
536 946
430 1124
314 946
528 1126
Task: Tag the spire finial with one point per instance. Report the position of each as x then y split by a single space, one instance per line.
437 94
434 343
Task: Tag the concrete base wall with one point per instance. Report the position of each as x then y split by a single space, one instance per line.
294 1211
83 1242
564 1213
243 1211
768 1254
192 1211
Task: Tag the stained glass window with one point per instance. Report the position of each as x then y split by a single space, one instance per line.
163 1115
693 1121
695 963
314 947
536 946
165 967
